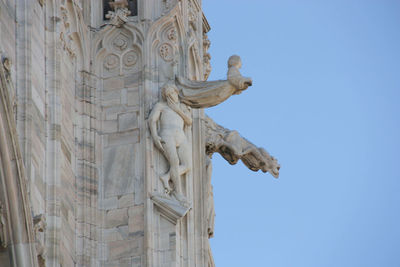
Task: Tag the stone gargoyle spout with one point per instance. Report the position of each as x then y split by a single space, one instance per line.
233 147
203 94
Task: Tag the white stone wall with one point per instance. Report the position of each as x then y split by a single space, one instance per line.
83 93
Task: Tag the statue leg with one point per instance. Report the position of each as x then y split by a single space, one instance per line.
172 157
184 157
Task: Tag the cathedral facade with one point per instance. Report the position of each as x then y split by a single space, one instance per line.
105 150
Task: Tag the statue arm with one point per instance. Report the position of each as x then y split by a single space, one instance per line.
153 118
186 118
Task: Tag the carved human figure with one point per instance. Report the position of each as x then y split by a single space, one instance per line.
234 76
170 139
205 94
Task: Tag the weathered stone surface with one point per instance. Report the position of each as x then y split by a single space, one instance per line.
136 219
133 98
113 83
85 99
127 137
125 248
125 201
127 121
116 217
118 170
108 203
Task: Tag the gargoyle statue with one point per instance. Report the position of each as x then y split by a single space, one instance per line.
233 147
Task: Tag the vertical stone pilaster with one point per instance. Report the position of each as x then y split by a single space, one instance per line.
87 218
53 142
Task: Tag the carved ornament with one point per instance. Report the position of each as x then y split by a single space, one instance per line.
65 34
119 16
232 147
167 52
173 117
197 94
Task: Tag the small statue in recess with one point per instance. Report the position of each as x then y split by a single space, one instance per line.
171 139
120 14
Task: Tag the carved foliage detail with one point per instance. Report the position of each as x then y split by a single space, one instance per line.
192 15
206 57
66 34
166 52
167 5
172 35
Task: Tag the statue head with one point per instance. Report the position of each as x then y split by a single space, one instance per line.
170 93
271 164
234 61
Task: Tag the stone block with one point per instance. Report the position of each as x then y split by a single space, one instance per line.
132 80
117 217
137 262
112 98
125 201
110 126
111 113
116 233
124 97
136 219
133 98
128 137
108 203
113 83
127 262
127 121
125 248
119 170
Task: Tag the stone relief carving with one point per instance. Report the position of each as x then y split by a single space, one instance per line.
66 35
120 42
119 16
233 147
3 227
119 51
170 139
7 65
167 5
192 15
167 52
206 57
111 61
172 35
130 58
197 94
39 226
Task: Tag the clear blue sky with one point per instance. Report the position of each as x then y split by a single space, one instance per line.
326 102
